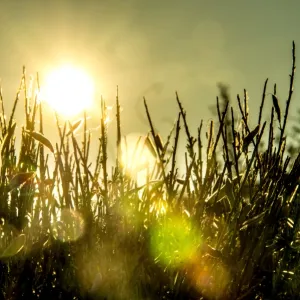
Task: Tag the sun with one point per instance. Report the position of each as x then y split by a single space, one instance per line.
68 90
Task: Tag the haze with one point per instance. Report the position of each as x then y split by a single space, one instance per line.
152 48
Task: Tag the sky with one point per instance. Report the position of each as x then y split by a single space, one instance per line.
152 49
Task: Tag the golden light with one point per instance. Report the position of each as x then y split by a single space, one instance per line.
138 160
68 90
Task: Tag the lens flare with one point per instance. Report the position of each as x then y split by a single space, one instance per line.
70 227
174 241
208 275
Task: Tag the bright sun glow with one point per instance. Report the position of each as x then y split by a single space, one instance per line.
68 90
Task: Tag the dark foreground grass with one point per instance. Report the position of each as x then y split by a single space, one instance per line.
228 230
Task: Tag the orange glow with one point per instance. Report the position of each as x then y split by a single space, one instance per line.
208 275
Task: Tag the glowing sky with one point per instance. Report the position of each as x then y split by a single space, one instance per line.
152 48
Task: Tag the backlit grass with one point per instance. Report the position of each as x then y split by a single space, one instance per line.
76 229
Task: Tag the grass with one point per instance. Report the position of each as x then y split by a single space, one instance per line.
228 230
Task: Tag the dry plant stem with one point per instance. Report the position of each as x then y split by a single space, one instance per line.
161 164
210 138
291 89
200 160
245 120
25 97
84 146
235 154
166 150
227 156
46 219
87 173
210 164
2 118
103 141
172 178
84 158
97 169
88 147
186 181
79 180
271 139
60 149
246 107
119 164
223 132
244 117
245 176
191 142
65 176
118 117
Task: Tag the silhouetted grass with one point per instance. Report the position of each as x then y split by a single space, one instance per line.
228 230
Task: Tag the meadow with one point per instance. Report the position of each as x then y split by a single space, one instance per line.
79 230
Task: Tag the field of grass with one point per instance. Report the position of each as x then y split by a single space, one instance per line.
78 230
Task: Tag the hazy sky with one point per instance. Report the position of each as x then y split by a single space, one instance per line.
152 48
